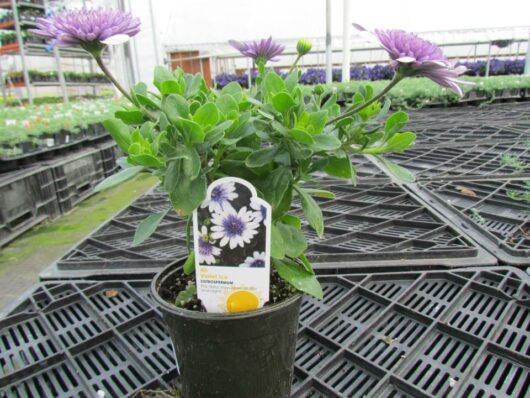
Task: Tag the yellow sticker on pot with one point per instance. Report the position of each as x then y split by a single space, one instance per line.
231 231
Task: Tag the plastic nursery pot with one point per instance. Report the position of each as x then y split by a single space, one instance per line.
243 355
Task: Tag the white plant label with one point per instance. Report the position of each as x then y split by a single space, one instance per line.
231 234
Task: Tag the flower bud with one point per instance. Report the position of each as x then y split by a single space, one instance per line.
318 90
303 47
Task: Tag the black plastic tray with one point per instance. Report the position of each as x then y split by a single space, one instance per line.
76 175
27 197
464 162
91 135
367 227
500 224
460 333
456 133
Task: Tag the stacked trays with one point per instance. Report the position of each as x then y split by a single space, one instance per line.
460 333
368 227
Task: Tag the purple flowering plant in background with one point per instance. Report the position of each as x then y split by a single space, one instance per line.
261 51
276 136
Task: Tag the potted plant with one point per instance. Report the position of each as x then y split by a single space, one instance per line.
276 136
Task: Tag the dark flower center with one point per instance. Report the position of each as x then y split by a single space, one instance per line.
205 247
233 226
218 194
258 263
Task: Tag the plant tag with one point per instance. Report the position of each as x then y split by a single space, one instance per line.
232 234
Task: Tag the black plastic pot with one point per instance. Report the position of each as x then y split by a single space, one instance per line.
243 355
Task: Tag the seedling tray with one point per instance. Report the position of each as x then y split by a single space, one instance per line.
367 227
484 208
465 162
452 134
27 197
460 333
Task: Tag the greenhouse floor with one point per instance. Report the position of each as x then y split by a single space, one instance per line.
426 284
23 259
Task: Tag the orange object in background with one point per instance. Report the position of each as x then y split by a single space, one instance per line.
180 59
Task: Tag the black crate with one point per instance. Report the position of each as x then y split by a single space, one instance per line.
499 223
367 227
27 197
465 162
458 333
109 155
76 176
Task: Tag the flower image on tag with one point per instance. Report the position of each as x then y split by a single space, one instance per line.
231 234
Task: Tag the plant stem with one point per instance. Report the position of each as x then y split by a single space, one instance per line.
295 63
106 71
188 233
359 108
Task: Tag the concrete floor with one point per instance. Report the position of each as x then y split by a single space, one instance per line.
23 259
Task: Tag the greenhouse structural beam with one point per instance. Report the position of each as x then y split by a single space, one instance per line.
527 59
328 42
22 55
346 41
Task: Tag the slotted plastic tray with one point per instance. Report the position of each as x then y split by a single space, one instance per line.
498 211
460 333
367 226
27 197
444 133
465 162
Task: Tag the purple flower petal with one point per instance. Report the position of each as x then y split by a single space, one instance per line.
261 51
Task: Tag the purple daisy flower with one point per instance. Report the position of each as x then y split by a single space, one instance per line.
256 261
262 51
220 198
207 250
234 228
414 56
91 29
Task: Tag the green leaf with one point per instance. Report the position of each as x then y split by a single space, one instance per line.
299 278
147 227
282 102
320 193
276 184
317 121
397 171
171 87
193 133
291 80
312 211
185 295
400 141
133 116
193 84
307 264
277 244
120 132
226 104
325 142
175 106
118 178
160 75
187 195
189 265
293 239
339 167
191 164
234 89
302 136
146 160
292 220
395 123
261 157
148 102
274 83
207 115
